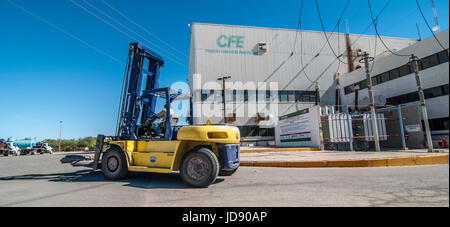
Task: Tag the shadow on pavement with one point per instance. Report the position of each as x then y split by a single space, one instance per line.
137 180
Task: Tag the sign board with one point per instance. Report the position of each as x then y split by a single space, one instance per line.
413 128
299 129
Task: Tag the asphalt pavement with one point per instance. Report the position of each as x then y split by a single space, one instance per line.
41 180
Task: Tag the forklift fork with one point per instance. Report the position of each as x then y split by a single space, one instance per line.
98 151
87 160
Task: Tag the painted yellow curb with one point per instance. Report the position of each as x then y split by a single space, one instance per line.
243 150
401 161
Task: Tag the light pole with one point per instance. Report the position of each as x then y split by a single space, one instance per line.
60 128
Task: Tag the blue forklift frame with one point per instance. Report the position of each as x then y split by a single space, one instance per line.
137 105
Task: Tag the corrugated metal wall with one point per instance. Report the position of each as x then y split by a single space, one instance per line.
238 60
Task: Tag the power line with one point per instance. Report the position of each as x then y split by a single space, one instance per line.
374 54
304 66
324 32
428 25
376 31
121 31
145 30
118 29
332 32
69 34
354 42
371 23
111 18
375 47
399 22
299 27
66 32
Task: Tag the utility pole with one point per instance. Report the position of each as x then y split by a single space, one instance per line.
414 61
60 128
348 44
338 98
223 78
317 101
366 59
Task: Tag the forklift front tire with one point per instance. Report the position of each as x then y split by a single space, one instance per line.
199 168
114 164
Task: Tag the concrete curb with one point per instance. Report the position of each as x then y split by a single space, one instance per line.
400 161
243 150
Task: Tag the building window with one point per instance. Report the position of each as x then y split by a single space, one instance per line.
374 80
414 96
427 62
433 92
263 131
252 96
298 96
283 96
242 131
445 89
445 124
266 131
245 95
229 95
443 57
394 74
206 94
291 96
261 96
349 89
267 96
305 96
405 70
430 61
363 85
253 130
438 124
384 77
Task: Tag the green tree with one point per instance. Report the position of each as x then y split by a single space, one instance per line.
73 144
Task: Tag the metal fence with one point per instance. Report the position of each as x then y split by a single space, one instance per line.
350 128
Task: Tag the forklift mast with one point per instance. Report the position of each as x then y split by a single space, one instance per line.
142 74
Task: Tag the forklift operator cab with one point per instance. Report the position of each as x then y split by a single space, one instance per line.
199 152
155 128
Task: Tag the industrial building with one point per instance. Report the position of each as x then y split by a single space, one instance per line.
394 82
269 72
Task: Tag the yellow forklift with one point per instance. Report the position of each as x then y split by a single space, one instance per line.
199 152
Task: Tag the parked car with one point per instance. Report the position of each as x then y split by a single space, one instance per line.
42 148
8 148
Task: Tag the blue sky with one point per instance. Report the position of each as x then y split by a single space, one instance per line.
47 76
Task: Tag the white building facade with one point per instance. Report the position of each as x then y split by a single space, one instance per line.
394 81
272 72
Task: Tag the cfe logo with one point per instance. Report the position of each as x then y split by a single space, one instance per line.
233 41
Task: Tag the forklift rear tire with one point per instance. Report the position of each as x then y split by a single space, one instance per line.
114 164
199 168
